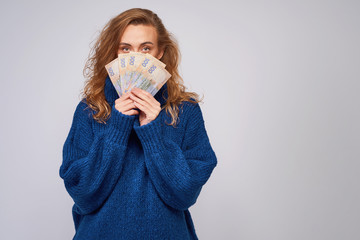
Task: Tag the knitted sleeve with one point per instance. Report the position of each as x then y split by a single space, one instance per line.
178 174
92 160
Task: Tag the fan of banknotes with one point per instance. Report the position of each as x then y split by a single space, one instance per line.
139 70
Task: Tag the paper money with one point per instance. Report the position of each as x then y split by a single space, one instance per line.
140 70
114 74
150 76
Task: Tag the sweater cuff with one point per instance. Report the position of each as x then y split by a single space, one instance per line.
120 126
150 135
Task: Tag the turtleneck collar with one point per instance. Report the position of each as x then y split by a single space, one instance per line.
111 94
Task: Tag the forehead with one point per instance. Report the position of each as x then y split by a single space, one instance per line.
137 34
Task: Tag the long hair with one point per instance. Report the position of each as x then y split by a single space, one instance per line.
105 50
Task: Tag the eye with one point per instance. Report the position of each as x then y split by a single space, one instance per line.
123 49
146 49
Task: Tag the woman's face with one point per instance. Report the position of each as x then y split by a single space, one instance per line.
140 38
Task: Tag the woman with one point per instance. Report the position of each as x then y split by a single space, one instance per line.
134 165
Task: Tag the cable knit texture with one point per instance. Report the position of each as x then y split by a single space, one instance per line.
135 182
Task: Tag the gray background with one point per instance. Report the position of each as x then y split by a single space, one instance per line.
281 107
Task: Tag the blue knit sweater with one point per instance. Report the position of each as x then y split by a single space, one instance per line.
135 182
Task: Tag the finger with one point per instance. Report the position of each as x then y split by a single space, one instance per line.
123 97
131 112
137 99
152 109
142 108
149 106
144 95
150 102
127 106
127 102
123 103
152 113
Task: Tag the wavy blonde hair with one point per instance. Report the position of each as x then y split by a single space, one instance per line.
105 50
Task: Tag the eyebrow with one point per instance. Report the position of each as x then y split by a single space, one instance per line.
128 44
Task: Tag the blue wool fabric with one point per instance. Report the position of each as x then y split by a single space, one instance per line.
135 182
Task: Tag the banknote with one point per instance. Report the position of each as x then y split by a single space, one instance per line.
122 65
150 76
154 59
114 74
140 70
128 73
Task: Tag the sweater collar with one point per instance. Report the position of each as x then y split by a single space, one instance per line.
111 94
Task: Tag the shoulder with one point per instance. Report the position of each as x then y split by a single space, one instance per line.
188 107
191 113
195 130
80 133
83 111
82 117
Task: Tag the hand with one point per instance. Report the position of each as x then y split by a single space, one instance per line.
125 105
148 105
